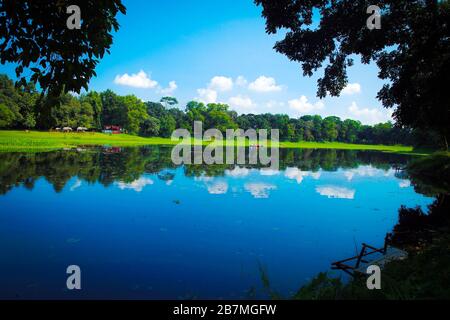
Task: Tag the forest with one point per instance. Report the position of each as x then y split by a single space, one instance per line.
24 107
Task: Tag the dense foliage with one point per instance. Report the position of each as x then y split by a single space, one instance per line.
35 37
24 108
411 50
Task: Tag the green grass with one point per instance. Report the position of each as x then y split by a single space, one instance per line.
11 141
347 146
33 141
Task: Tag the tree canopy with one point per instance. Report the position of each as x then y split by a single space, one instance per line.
34 36
412 51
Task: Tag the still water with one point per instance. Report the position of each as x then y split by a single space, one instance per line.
140 227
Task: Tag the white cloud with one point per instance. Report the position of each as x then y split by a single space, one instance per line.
298 175
76 185
349 175
241 102
336 192
221 83
269 172
137 185
216 84
237 172
302 105
366 171
369 116
352 88
207 95
170 89
241 81
264 84
137 80
363 171
213 186
259 190
271 104
218 188
404 184
203 179
315 175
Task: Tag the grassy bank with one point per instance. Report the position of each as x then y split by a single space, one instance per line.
349 146
11 141
21 141
424 275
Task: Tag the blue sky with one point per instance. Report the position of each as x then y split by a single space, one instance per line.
218 51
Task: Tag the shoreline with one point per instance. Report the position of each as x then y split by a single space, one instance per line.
39 141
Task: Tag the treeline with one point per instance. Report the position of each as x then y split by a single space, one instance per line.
25 108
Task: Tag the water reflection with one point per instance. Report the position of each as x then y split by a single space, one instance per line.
259 190
137 185
336 192
165 231
298 175
124 168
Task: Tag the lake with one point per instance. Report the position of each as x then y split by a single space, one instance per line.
140 227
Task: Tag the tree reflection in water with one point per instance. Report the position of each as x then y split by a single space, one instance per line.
108 165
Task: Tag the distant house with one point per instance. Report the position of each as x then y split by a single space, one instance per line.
112 129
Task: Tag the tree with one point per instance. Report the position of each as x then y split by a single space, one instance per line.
136 112
330 128
281 122
218 117
169 101
290 132
114 110
95 100
167 120
6 116
68 111
195 111
317 128
34 35
381 132
10 99
85 116
168 125
156 109
349 131
180 117
29 121
308 128
150 127
411 51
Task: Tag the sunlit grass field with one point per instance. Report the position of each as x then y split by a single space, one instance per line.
34 141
